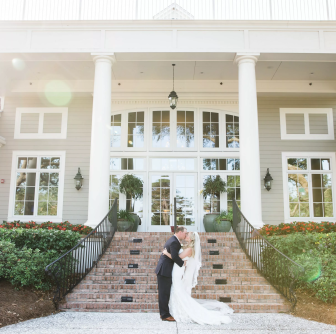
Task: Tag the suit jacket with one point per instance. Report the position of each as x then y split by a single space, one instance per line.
165 264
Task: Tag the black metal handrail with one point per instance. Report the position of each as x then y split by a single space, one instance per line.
276 267
69 269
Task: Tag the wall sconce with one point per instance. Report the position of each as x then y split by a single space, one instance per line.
78 180
268 181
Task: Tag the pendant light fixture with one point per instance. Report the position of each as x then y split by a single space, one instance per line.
173 96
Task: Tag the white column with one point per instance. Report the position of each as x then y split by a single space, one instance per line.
100 140
250 179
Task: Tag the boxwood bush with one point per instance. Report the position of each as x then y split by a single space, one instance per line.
25 253
316 252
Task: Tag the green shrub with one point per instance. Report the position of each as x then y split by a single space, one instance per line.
316 252
43 240
25 253
25 267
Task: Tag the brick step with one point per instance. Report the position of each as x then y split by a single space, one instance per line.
153 297
158 248
129 244
204 272
158 251
155 258
152 287
153 307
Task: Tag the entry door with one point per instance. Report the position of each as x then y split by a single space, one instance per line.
163 188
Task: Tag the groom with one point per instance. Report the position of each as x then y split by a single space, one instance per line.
164 271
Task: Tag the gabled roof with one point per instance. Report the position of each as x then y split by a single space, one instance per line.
174 12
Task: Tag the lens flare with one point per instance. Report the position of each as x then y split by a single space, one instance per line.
18 64
313 272
58 93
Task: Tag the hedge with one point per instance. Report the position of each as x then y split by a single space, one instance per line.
26 252
316 252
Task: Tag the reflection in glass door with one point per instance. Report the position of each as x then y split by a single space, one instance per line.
160 212
164 186
185 192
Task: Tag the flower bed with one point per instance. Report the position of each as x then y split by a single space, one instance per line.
305 227
65 226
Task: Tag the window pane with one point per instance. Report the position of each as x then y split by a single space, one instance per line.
325 164
21 179
190 116
302 164
52 208
22 163
115 164
45 163
214 117
29 208
20 193
315 164
54 179
19 208
116 130
292 163
55 163
206 117
180 116
222 164
32 162
132 117
165 116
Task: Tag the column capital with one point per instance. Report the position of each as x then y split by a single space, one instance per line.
105 57
246 58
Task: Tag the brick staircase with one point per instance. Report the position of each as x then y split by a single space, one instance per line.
233 281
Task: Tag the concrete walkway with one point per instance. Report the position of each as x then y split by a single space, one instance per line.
149 323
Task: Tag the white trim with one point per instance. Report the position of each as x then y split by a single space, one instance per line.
2 104
2 141
61 171
308 155
41 112
307 135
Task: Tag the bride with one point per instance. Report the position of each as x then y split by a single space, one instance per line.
182 306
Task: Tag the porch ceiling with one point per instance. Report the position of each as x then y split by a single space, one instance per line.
157 66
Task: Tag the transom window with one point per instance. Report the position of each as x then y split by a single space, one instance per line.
174 130
37 181
309 186
173 164
221 164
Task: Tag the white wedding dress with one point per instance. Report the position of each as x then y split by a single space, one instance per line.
186 309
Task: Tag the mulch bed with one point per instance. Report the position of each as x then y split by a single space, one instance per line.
311 308
23 304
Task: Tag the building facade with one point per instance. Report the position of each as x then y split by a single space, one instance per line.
94 95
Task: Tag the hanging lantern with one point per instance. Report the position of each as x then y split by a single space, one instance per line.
173 96
268 181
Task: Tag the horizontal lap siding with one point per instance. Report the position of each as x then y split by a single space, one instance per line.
271 147
76 146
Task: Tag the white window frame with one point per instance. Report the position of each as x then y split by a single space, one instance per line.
36 218
172 129
40 134
222 131
308 155
307 135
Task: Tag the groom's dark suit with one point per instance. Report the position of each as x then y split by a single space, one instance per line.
164 274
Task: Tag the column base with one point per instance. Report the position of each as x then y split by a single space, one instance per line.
92 223
257 223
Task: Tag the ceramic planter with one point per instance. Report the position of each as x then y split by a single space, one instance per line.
222 226
124 225
209 220
136 222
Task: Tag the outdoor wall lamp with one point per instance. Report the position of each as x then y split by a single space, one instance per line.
78 180
173 96
268 180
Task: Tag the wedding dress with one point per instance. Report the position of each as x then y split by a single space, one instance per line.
186 309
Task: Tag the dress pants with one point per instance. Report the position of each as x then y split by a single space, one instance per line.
164 285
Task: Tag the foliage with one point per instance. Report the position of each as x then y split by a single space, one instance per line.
225 215
131 185
125 215
213 184
65 226
26 252
306 227
316 252
43 240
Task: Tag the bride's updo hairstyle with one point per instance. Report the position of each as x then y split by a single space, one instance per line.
191 243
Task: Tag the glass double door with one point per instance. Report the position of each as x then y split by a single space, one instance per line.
163 188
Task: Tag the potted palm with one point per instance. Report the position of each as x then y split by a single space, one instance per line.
213 185
125 220
132 187
223 222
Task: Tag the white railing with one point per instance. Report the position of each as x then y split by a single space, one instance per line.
168 10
